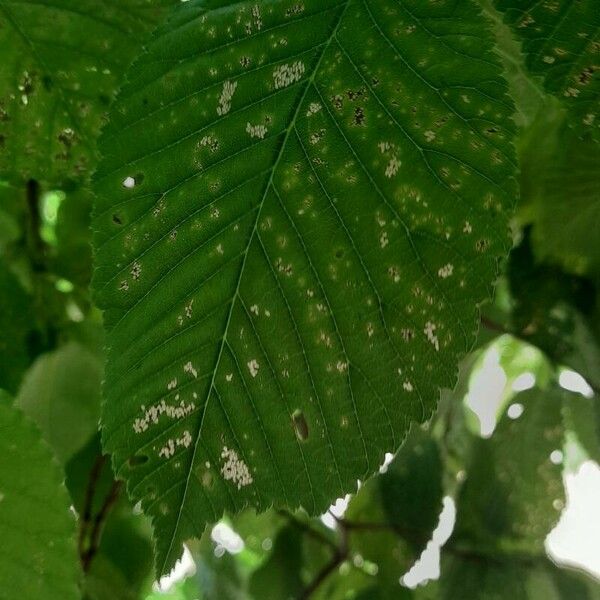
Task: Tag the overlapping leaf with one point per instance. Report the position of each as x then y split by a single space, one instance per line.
300 207
62 63
561 41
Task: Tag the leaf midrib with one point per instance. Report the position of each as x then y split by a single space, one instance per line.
309 81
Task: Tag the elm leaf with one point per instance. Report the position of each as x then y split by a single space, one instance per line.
299 209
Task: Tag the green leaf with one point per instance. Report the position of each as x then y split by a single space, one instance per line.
61 66
61 393
399 509
582 420
16 316
476 578
560 41
39 558
527 93
554 311
563 191
280 575
513 491
300 208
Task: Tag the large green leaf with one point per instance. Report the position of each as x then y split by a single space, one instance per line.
62 62
561 41
300 207
38 554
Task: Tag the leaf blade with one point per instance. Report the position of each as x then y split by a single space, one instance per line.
38 531
272 290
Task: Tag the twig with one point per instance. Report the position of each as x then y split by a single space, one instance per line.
314 533
90 492
493 326
99 522
339 556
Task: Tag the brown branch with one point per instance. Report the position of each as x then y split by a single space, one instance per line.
86 514
305 528
99 522
339 556
493 326
36 245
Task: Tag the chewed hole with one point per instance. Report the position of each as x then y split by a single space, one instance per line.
117 219
137 460
300 425
339 253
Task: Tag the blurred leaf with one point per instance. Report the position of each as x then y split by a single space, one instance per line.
61 66
396 512
74 250
477 578
513 492
561 187
554 311
39 557
182 590
582 420
16 316
280 576
219 575
61 393
105 581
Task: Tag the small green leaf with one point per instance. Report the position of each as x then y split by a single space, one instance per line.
299 210
61 393
39 557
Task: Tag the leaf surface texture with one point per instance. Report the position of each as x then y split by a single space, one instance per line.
300 207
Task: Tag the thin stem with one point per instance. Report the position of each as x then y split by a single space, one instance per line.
304 527
90 492
99 522
35 243
339 556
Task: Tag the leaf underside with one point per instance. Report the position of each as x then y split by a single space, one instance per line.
61 65
561 41
300 207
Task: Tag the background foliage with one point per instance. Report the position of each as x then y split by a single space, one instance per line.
68 527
